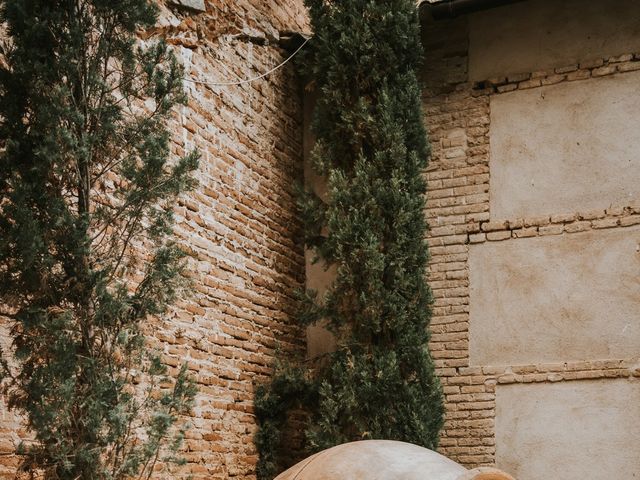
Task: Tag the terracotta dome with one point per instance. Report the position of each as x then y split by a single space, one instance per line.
384 460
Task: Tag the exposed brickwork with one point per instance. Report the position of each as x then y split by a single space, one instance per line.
458 120
597 68
238 225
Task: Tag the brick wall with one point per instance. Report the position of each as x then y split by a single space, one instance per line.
457 202
458 117
238 225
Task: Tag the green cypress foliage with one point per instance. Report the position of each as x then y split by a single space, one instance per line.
86 186
371 147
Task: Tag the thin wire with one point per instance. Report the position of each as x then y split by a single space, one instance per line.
249 80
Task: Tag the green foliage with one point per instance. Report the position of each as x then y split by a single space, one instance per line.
371 147
87 190
273 402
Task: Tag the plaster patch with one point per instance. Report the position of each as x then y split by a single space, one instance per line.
565 148
555 298
570 430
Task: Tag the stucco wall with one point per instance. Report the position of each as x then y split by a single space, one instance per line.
534 238
555 298
597 421
319 275
565 147
541 34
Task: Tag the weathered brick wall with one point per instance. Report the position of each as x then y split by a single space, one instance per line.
458 116
238 225
457 203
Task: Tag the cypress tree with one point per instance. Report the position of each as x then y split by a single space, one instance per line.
86 194
371 147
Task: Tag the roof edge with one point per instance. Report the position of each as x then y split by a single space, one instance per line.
443 9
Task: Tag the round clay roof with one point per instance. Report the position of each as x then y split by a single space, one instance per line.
384 460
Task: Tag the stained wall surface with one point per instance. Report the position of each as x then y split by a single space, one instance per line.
536 424
553 299
539 34
238 226
563 145
533 203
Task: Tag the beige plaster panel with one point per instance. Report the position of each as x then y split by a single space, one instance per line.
555 298
544 34
565 148
584 430
319 278
318 275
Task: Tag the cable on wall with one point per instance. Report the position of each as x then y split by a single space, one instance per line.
249 80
